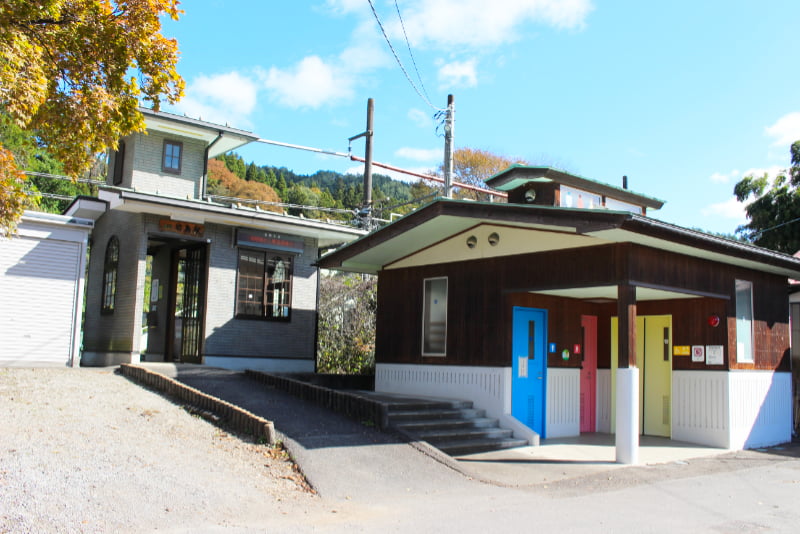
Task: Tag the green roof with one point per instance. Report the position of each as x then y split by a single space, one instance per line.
519 175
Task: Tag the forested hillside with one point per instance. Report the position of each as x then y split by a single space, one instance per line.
325 189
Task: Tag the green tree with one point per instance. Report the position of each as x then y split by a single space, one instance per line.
73 72
774 207
56 194
280 187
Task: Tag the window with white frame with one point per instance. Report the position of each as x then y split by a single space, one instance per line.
434 317
744 322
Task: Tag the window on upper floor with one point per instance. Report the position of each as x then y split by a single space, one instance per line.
264 285
173 153
119 161
110 275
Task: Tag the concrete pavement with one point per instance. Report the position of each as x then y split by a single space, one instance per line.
345 459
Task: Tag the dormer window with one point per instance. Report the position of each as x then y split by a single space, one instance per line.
171 162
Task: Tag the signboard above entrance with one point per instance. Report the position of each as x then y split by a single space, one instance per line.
246 237
181 227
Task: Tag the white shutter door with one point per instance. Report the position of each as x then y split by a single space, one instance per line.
38 291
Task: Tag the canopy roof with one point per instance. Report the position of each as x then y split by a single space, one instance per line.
424 236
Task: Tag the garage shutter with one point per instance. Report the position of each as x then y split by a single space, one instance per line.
38 291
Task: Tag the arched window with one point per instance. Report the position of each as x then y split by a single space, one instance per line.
110 275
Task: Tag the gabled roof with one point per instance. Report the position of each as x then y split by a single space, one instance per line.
221 139
519 175
548 228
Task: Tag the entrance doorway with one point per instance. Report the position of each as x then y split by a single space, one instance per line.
529 367
187 304
654 360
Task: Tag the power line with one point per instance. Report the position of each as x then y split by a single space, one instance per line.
759 233
410 53
397 58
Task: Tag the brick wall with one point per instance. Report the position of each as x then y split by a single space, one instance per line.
145 153
228 336
115 332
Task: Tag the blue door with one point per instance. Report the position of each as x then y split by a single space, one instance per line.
529 367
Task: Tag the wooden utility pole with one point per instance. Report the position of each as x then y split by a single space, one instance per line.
365 213
368 156
449 127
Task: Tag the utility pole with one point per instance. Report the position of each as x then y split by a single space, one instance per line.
449 127
365 213
368 157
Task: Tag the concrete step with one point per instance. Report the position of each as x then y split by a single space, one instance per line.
427 424
472 446
437 436
410 406
400 417
422 415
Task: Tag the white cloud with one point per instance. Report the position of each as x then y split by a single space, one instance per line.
226 98
735 175
730 209
420 154
723 178
420 118
458 74
786 130
311 83
478 23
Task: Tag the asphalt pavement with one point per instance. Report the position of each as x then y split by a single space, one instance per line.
346 459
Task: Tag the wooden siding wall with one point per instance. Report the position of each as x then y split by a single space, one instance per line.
481 295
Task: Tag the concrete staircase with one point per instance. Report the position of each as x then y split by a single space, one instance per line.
454 427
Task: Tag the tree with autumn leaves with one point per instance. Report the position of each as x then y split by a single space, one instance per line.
473 166
74 73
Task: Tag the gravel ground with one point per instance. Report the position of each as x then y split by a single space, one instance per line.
139 464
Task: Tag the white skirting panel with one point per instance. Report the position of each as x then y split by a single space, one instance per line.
732 410
489 388
700 407
603 408
563 403
760 409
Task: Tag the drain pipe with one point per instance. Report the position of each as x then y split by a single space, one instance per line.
204 180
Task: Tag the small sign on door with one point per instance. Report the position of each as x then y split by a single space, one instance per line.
698 353
522 368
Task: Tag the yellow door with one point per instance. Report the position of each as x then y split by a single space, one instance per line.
655 399
654 360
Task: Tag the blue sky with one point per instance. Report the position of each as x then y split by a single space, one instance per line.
683 97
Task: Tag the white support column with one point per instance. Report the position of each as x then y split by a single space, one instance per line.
627 410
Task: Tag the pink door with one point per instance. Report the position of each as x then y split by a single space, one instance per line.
588 373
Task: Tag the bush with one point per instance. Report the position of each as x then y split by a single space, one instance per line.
347 304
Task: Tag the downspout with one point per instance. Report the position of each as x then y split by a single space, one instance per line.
204 184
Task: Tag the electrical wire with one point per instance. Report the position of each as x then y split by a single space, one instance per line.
410 53
397 58
759 233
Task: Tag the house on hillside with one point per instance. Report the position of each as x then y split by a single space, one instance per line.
174 276
569 310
